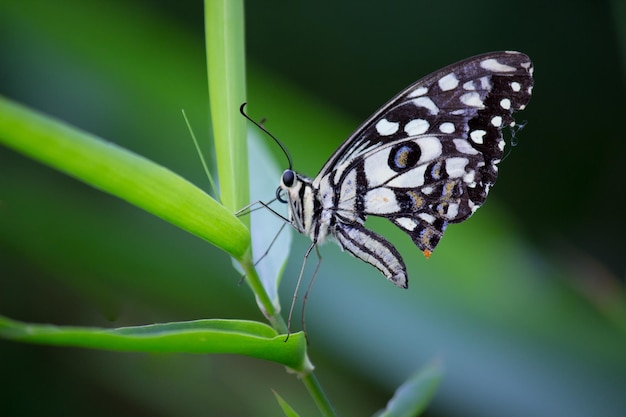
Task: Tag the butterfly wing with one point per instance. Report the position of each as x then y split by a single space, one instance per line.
455 92
428 157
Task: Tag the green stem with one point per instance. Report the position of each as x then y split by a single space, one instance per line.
224 21
317 393
226 64
253 280
224 31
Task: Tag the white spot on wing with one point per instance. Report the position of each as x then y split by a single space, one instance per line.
427 103
453 210
496 121
505 103
408 224
464 146
470 179
381 201
455 167
430 147
493 65
418 92
448 82
385 128
428 218
469 85
416 127
471 99
515 86
446 127
477 136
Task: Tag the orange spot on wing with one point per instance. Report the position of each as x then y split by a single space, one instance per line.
427 253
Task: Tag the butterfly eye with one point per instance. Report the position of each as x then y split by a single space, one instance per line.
279 195
288 178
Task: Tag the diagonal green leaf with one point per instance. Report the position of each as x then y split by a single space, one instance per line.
412 397
240 337
122 173
289 412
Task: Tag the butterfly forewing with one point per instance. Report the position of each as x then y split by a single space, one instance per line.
448 93
426 159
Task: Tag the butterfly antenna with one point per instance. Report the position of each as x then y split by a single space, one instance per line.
260 126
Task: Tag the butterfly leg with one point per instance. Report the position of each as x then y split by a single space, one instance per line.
260 204
308 289
254 207
249 208
373 249
295 292
243 276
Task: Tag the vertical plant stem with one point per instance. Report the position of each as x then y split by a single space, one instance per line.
317 393
274 317
224 31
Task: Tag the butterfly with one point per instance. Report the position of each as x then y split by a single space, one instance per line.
424 160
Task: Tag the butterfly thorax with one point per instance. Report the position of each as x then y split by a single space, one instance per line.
305 208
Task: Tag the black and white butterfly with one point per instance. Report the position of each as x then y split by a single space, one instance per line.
426 159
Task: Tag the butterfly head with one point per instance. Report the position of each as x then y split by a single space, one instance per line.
288 179
297 192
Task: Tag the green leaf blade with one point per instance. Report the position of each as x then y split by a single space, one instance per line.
122 173
287 409
217 336
413 396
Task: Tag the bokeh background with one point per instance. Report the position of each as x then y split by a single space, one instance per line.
523 304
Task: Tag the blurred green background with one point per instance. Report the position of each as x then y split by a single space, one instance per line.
523 304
